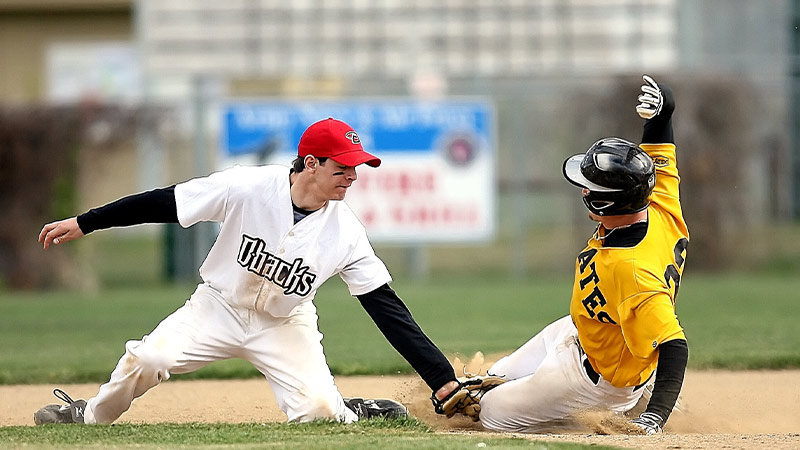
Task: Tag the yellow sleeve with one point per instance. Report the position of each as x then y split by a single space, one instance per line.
667 179
666 193
647 320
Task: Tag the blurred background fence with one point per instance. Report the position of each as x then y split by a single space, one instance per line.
99 99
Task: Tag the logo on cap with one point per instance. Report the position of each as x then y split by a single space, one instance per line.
353 137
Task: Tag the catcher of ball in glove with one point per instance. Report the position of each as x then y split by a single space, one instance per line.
466 398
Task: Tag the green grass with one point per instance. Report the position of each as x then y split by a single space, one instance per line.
370 434
123 257
732 321
60 336
741 321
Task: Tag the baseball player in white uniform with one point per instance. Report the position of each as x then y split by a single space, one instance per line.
284 232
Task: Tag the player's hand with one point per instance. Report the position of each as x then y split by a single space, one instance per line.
446 390
57 233
465 398
651 100
648 423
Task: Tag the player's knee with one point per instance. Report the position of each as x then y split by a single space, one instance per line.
147 361
500 368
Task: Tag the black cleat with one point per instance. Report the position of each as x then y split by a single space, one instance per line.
72 412
379 407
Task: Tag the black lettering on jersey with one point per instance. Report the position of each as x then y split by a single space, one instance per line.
603 316
672 274
272 265
281 272
591 277
586 257
293 276
595 299
249 248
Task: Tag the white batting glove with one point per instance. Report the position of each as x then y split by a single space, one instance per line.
650 100
648 422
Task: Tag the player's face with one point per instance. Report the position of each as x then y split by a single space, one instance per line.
334 179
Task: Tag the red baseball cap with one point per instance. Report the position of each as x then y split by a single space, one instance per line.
331 138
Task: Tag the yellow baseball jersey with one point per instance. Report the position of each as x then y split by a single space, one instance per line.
623 299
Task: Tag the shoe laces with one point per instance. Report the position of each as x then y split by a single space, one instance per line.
61 395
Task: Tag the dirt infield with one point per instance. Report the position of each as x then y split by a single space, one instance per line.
732 410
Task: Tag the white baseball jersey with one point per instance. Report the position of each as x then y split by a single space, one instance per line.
261 259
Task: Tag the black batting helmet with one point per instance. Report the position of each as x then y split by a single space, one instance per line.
618 174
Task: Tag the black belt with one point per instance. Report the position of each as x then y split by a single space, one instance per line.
595 377
590 372
587 366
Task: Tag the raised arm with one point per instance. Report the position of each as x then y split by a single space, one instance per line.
656 105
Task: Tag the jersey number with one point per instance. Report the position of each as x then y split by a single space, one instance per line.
673 271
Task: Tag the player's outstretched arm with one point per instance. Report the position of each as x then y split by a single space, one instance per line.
59 232
156 206
394 320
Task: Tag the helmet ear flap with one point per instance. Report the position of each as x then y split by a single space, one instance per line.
598 206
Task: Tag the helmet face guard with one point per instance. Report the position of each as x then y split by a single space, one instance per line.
618 174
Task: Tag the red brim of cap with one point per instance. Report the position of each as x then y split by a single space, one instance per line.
356 158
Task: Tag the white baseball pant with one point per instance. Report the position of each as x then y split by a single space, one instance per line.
286 350
548 385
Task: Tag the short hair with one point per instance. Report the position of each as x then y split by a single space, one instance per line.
299 163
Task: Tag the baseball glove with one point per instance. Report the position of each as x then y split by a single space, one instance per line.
465 399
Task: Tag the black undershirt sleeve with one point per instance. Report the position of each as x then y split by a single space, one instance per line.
672 358
658 130
156 206
394 320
